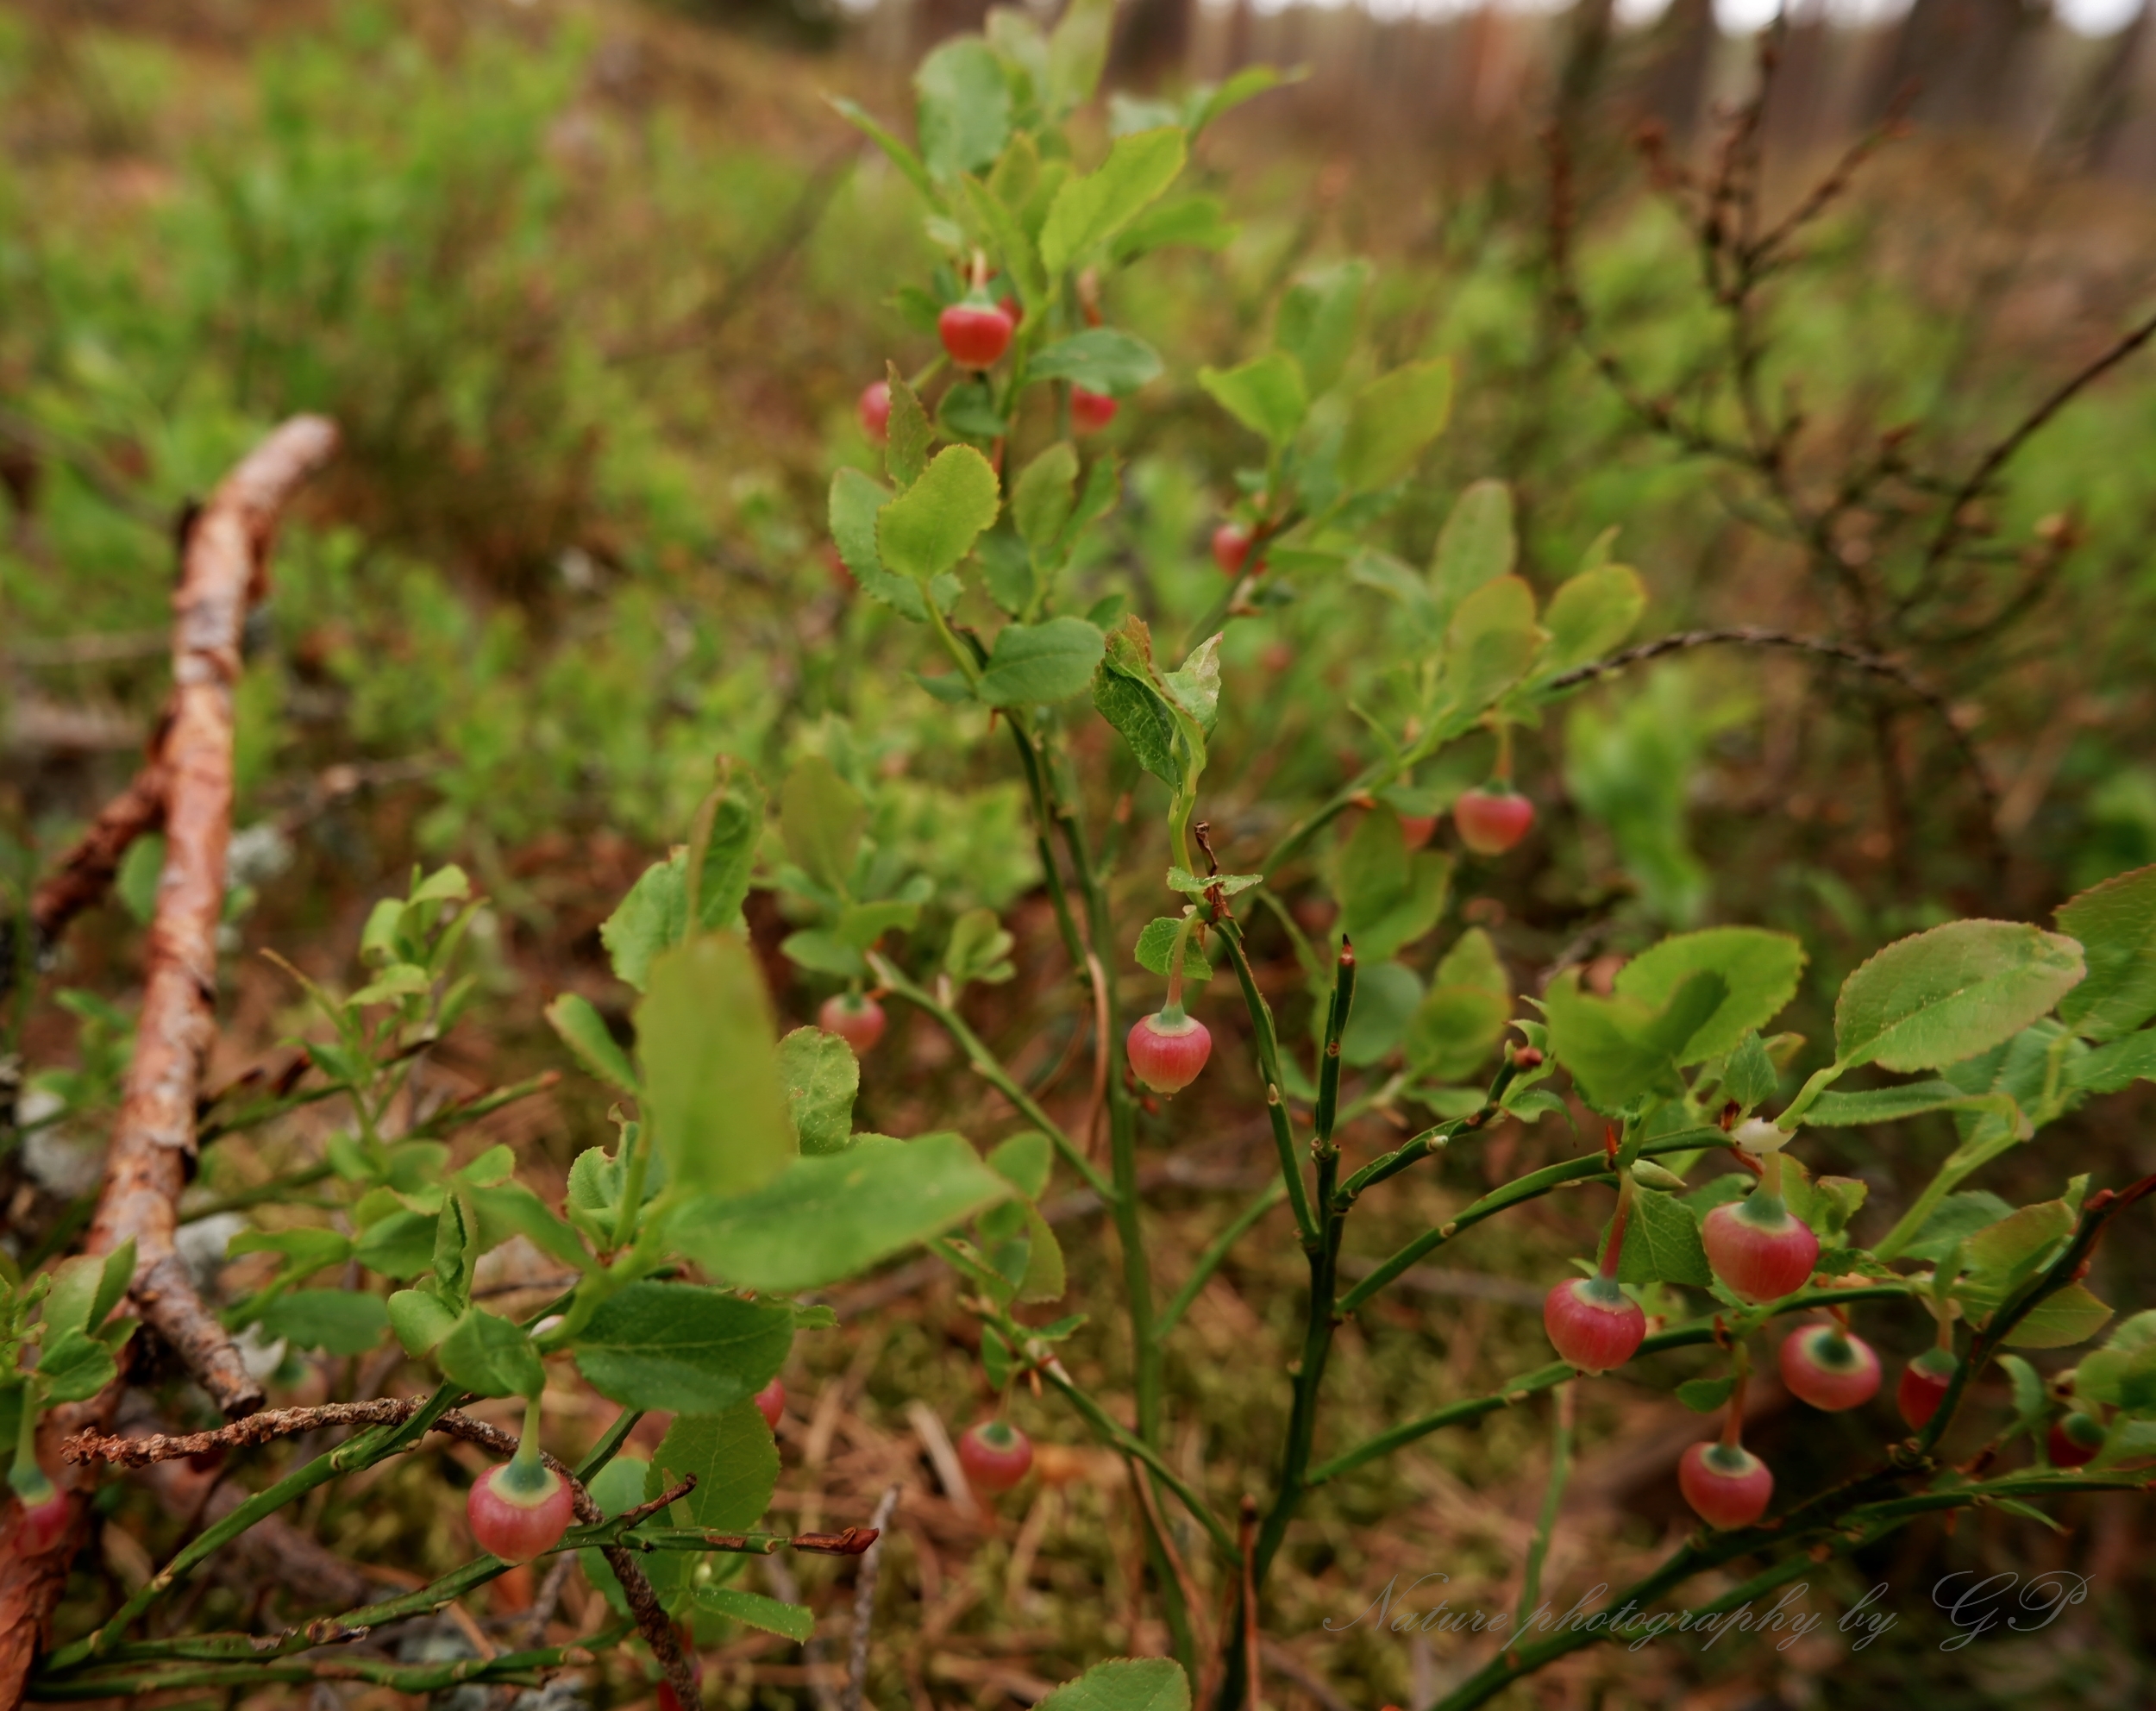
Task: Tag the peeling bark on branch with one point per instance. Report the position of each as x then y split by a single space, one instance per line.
224 560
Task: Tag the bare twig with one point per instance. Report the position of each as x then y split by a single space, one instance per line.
224 558
87 870
864 1603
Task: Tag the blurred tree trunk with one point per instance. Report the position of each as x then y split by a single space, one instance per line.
1963 56
1152 41
1678 54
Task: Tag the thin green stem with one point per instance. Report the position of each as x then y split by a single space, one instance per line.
1552 1502
1329 1064
1268 1068
990 1069
1210 1261
1129 1444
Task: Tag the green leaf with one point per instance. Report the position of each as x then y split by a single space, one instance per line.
1489 643
1207 103
907 434
830 1217
1938 997
1100 359
1077 54
734 1462
1750 1076
1662 1243
2059 1320
1024 1161
1266 395
1388 897
584 1032
1952 1221
1760 969
1125 694
1196 683
823 953
907 162
795 1622
1391 420
1589 615
962 108
1705 1395
1125 1684
1200 222
485 1352
2117 1065
1474 546
821 817
653 915
979 949
512 1209
1197 885
400 1245
618 1486
860 924
933 524
1455 1031
822 1077
1316 322
1090 210
1034 662
855 502
73 1366
714 1093
86 1288
1007 572
340 1321
1041 497
1619 1049
722 853
1156 944
1885 1105
1387 998
683 1347
419 1320
2116 923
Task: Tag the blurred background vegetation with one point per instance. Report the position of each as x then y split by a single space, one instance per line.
592 289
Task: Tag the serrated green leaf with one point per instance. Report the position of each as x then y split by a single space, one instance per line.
1091 210
979 948
1489 645
820 817
1589 615
907 162
1388 997
1476 546
1885 1105
795 1622
485 1352
823 1076
962 108
1266 395
1024 1161
713 1094
73 1366
2070 1315
1759 969
1750 1076
683 1347
1317 320
1938 997
2117 1065
337 1321
1391 420
419 1320
1662 1244
933 524
1036 662
1197 885
1100 359
653 917
1705 1395
2116 923
1041 497
855 502
1455 1030
734 1460
584 1032
1156 944
1077 54
1013 250
1125 1684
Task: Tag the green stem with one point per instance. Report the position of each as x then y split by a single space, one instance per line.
1553 1502
987 1066
522 1669
1329 1064
1129 1444
1268 1068
1210 1261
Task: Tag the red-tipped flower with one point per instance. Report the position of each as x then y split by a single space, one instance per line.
1230 546
1090 411
1493 818
1416 829
1167 1049
1592 1323
875 410
1923 1387
1824 1365
518 1513
44 1520
975 334
771 1402
854 1019
2074 1440
995 1454
1757 1248
1726 1484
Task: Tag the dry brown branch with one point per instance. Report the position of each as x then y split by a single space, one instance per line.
865 1604
225 553
86 871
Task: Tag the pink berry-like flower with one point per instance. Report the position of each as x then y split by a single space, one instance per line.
1758 1248
517 1526
1230 546
1592 1324
1166 1055
2074 1440
874 410
974 334
1417 828
1090 411
1824 1365
771 1402
1923 1387
1726 1484
43 1523
1491 821
857 1020
995 1454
